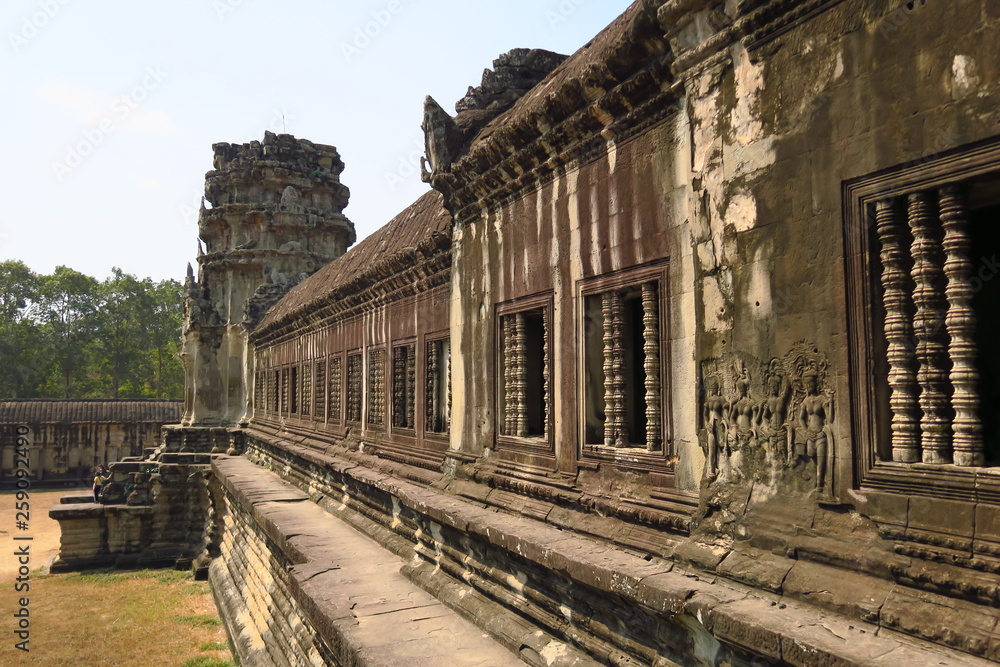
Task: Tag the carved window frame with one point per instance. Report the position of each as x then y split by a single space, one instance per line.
274 391
659 457
294 389
354 387
376 388
402 372
284 402
869 267
320 389
431 382
336 380
258 392
506 322
306 390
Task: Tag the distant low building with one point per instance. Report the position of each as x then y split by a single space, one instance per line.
68 438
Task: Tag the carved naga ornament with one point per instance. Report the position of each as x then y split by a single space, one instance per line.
442 142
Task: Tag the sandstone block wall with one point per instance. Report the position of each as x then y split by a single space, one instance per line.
542 590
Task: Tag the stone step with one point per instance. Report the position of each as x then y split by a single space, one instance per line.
187 458
346 586
76 498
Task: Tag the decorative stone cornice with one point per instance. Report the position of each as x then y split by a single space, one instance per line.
631 78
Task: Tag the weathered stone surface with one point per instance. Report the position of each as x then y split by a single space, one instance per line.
340 583
676 365
275 217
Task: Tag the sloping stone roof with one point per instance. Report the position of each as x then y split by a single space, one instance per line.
368 260
44 411
612 49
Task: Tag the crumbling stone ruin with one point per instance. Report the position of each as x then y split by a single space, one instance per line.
684 360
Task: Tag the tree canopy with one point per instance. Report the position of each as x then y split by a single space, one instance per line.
68 335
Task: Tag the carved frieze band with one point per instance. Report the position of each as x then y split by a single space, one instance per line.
929 328
760 418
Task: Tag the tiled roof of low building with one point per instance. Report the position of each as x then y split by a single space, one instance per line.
50 411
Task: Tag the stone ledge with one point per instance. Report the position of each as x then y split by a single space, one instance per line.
764 624
349 587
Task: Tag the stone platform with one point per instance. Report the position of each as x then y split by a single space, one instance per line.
552 596
344 599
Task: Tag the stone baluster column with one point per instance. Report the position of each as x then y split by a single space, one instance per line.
967 440
411 382
398 388
510 400
430 390
545 373
610 406
899 335
651 366
615 431
929 328
520 376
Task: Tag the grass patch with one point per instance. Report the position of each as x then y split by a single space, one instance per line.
149 617
201 620
205 661
109 575
214 646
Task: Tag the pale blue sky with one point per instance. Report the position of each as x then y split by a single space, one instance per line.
113 106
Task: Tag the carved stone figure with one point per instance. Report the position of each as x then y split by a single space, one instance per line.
741 411
716 424
814 416
772 413
291 200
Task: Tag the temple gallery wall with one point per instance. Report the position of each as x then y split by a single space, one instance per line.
683 359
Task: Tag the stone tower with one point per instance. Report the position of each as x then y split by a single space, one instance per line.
272 215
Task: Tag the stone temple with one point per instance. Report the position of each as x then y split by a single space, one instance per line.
683 359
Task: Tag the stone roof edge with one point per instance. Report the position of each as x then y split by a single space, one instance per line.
627 86
396 264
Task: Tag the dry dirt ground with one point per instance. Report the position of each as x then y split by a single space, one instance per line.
140 618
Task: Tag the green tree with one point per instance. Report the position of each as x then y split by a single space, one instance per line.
165 329
67 335
66 307
24 361
122 337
